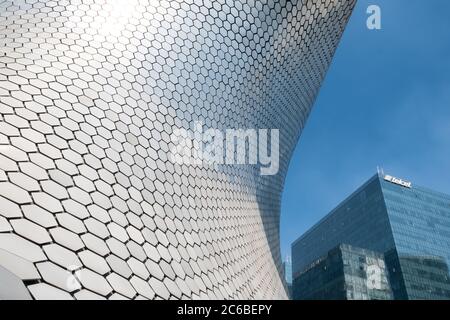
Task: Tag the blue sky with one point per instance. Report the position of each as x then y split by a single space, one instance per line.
385 101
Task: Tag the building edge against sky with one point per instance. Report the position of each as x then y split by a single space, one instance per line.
409 224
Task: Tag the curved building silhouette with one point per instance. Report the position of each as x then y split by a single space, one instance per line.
91 205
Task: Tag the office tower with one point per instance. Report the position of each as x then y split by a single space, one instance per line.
91 93
407 223
287 268
344 273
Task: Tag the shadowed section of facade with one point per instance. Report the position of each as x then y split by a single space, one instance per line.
90 92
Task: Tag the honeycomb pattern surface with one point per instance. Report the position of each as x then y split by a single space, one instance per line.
90 93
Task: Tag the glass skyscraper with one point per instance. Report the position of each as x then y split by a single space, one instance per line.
345 273
409 224
287 269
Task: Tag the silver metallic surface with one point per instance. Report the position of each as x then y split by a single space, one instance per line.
90 91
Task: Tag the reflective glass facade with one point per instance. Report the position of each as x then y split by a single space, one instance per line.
287 268
409 224
345 273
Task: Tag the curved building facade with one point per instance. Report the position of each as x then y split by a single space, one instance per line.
91 205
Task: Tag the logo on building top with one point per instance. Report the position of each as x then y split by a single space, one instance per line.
398 181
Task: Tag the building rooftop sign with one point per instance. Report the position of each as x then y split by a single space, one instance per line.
398 181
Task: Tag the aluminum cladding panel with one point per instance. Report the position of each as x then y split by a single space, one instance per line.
91 206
